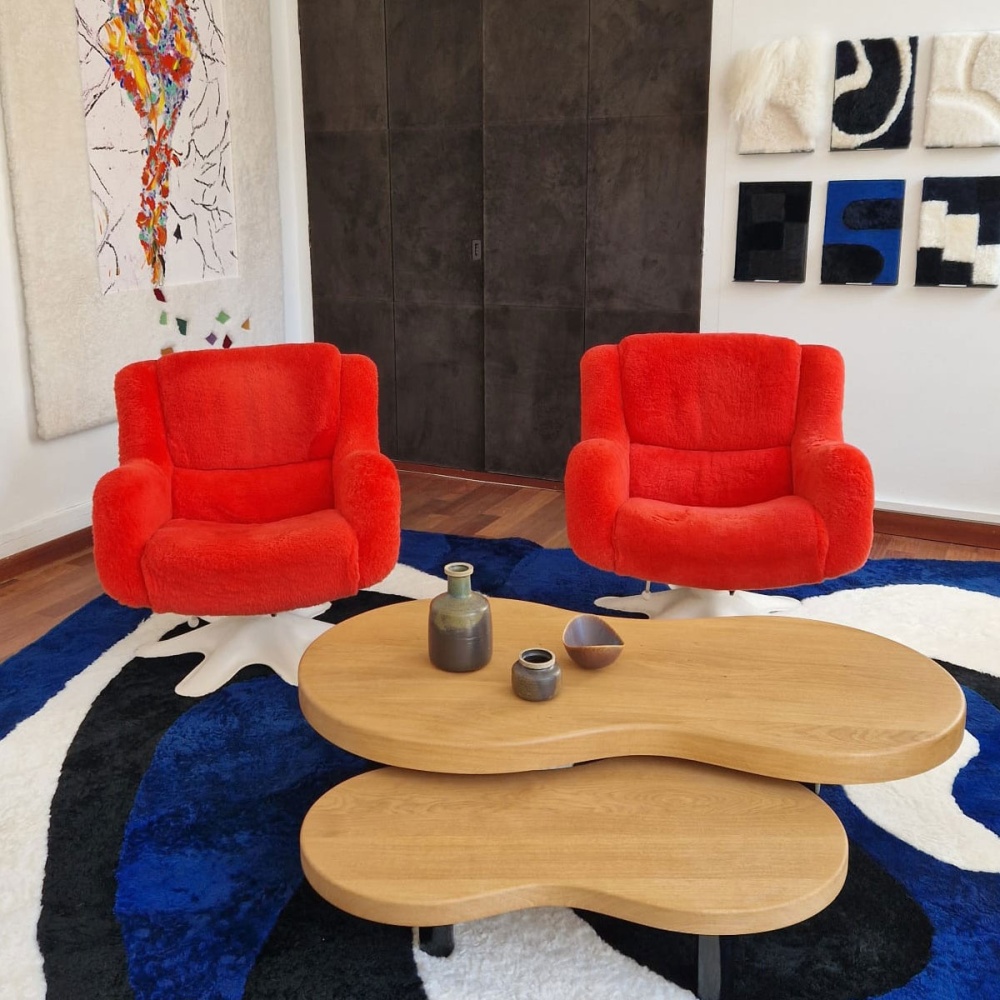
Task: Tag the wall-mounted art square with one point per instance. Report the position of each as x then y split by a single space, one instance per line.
963 100
864 223
959 241
771 228
873 93
776 99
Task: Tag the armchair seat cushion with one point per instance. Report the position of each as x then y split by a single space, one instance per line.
194 567
759 546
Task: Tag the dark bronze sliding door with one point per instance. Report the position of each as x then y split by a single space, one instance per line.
494 186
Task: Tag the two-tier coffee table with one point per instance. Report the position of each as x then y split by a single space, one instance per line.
691 815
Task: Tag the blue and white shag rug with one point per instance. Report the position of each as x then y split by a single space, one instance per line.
149 843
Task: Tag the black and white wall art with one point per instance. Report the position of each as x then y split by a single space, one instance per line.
959 240
963 99
771 229
873 93
864 222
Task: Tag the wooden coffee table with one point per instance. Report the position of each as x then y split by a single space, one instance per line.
688 823
784 697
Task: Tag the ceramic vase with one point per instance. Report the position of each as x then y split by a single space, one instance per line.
459 624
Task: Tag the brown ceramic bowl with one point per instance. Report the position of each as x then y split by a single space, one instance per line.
591 642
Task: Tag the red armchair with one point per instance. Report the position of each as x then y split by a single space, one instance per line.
716 463
250 483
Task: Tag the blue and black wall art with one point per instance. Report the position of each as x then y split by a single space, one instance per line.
864 223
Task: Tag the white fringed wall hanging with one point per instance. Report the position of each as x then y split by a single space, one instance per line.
775 96
963 100
87 319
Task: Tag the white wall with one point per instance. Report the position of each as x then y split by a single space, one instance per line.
923 364
46 486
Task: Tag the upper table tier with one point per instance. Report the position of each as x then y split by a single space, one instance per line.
784 697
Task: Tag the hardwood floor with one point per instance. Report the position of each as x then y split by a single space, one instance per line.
34 601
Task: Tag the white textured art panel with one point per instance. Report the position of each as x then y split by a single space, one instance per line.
963 99
775 97
156 106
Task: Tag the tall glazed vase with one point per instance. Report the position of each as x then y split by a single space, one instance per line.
459 624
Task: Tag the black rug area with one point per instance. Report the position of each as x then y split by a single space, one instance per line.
314 945
78 934
983 684
871 939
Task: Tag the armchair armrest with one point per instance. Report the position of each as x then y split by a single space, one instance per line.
366 493
130 503
596 485
836 478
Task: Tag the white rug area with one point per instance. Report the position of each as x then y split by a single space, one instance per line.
78 338
545 954
946 623
774 91
963 98
922 812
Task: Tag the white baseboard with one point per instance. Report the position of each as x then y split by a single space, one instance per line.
44 529
947 513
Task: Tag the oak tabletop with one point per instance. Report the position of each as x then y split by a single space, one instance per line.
672 844
784 697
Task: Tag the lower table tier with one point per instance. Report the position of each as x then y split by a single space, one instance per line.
668 843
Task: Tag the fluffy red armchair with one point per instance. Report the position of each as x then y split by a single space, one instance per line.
250 483
716 462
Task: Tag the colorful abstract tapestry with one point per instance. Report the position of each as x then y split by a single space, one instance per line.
873 93
164 189
156 104
959 241
771 229
963 101
864 222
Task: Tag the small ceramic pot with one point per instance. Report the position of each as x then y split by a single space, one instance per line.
535 675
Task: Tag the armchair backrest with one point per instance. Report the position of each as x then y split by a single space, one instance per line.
708 419
246 434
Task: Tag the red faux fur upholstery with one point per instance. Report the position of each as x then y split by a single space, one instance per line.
250 482
717 461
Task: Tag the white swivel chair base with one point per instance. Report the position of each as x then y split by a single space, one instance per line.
689 602
231 643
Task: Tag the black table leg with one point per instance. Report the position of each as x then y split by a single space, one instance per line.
710 960
438 941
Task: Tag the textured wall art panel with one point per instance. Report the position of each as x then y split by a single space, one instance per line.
864 222
771 229
156 106
78 336
959 240
873 93
963 100
774 92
